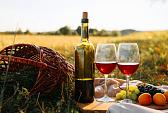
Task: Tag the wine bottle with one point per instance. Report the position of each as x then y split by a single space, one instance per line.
84 65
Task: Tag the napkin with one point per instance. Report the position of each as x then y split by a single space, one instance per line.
130 108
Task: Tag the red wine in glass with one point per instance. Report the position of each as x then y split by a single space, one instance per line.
106 67
105 59
128 59
128 68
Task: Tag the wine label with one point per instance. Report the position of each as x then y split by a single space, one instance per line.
84 61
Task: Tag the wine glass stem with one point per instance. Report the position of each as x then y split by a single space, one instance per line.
127 86
105 85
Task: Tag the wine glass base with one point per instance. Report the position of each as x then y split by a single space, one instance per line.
126 101
105 99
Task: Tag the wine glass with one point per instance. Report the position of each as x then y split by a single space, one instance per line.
128 61
105 59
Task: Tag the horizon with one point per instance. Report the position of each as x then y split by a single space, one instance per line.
43 16
75 29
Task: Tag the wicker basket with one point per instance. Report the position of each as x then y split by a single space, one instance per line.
48 68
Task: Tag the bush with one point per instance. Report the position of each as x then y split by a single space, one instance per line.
65 30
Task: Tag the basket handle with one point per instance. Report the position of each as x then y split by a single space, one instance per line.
40 65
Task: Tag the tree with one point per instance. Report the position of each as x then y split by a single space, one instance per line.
27 32
115 33
78 30
65 30
103 33
19 31
93 32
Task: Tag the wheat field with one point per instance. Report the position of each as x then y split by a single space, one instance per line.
147 41
153 45
65 44
153 67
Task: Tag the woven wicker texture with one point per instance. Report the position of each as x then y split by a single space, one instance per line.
48 68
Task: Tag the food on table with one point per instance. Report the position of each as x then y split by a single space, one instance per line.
132 94
112 84
166 95
131 83
158 95
113 90
119 96
142 93
145 99
121 81
148 88
159 99
98 81
99 92
110 81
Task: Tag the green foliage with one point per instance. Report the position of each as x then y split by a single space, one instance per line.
68 31
27 32
103 33
106 33
20 101
15 88
78 30
115 33
59 101
19 31
93 32
65 30
154 62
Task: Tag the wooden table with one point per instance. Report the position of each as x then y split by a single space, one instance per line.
100 107
95 107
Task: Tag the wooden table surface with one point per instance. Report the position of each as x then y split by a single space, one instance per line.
101 107
95 107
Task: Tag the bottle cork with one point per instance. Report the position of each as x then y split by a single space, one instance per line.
85 15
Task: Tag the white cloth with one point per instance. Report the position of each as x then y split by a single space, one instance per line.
130 108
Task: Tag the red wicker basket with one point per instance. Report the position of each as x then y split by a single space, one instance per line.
51 68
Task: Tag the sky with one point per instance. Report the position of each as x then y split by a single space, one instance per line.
50 15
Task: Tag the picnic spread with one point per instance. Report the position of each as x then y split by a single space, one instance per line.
49 69
117 106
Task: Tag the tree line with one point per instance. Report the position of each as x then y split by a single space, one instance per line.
66 30
92 32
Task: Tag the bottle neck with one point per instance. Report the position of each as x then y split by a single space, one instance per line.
84 31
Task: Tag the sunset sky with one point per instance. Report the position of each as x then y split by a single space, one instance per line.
50 15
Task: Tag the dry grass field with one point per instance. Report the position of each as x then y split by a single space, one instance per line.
153 66
65 44
153 48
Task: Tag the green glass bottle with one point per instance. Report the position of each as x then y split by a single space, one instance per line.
84 65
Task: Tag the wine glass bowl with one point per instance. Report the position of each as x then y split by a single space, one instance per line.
128 61
106 67
128 68
105 59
